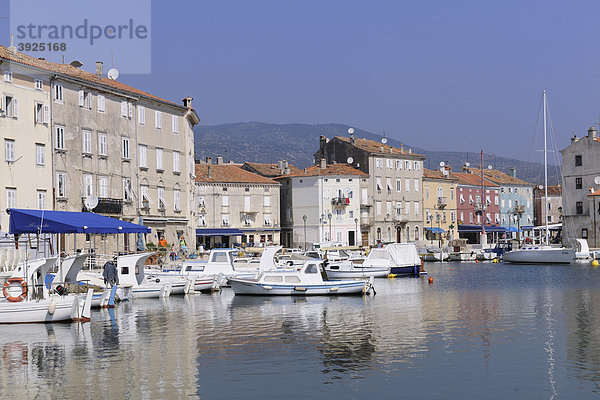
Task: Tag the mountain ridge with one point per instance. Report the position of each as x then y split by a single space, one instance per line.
296 142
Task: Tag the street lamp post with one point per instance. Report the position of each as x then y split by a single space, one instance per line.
437 218
356 230
329 218
304 219
430 218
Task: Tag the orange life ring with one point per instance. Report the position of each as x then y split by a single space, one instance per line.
8 284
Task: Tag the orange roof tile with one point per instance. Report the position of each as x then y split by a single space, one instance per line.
225 173
552 191
375 147
70 71
270 170
472 179
437 174
332 169
500 177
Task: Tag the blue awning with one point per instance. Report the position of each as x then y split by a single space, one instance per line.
219 232
44 221
435 230
477 228
512 229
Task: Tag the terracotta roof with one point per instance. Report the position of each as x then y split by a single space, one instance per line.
372 146
552 191
70 71
472 179
270 170
499 177
225 173
437 174
332 169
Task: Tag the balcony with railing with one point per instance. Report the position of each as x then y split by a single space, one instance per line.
340 201
107 206
366 221
442 202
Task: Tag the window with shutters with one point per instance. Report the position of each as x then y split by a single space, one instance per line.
41 199
141 115
407 184
8 76
42 113
175 123
176 165
101 103
125 147
40 154
60 138
416 185
398 185
88 185
159 160
578 183
124 109
176 200
127 190
144 196
10 105
267 201
85 99
38 84
11 197
143 159
58 93
87 142
224 201
158 119
103 186
61 184
388 184
9 150
162 205
102 144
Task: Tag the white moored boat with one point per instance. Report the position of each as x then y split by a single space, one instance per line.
345 269
549 255
311 279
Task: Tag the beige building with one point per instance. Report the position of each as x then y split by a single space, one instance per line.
439 205
26 170
128 149
235 206
391 199
321 204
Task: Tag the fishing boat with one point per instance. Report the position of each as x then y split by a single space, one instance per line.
311 279
346 269
400 258
547 254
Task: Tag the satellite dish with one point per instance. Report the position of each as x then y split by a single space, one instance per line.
467 164
113 74
541 187
350 160
597 180
76 64
442 164
90 202
384 140
490 166
351 130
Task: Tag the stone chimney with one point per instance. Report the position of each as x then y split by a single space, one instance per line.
513 172
187 102
323 163
99 69
409 151
280 165
592 132
286 171
219 160
209 160
574 138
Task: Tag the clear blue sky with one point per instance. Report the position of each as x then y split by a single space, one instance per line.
443 75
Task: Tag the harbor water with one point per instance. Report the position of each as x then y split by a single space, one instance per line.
484 330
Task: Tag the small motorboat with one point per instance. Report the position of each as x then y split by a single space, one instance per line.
345 269
311 279
401 258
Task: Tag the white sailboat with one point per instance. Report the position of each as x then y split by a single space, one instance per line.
546 254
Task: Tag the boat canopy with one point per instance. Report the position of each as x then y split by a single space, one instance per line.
219 232
477 228
45 221
404 253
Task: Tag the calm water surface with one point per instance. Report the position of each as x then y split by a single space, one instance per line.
480 331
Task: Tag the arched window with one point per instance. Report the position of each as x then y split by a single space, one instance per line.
389 238
416 233
379 233
407 234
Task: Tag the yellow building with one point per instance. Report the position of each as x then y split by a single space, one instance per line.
439 205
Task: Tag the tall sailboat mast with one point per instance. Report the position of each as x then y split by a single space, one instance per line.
483 204
545 169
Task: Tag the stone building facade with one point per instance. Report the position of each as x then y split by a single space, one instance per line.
391 199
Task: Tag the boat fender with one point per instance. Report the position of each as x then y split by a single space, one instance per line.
52 307
15 299
157 280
